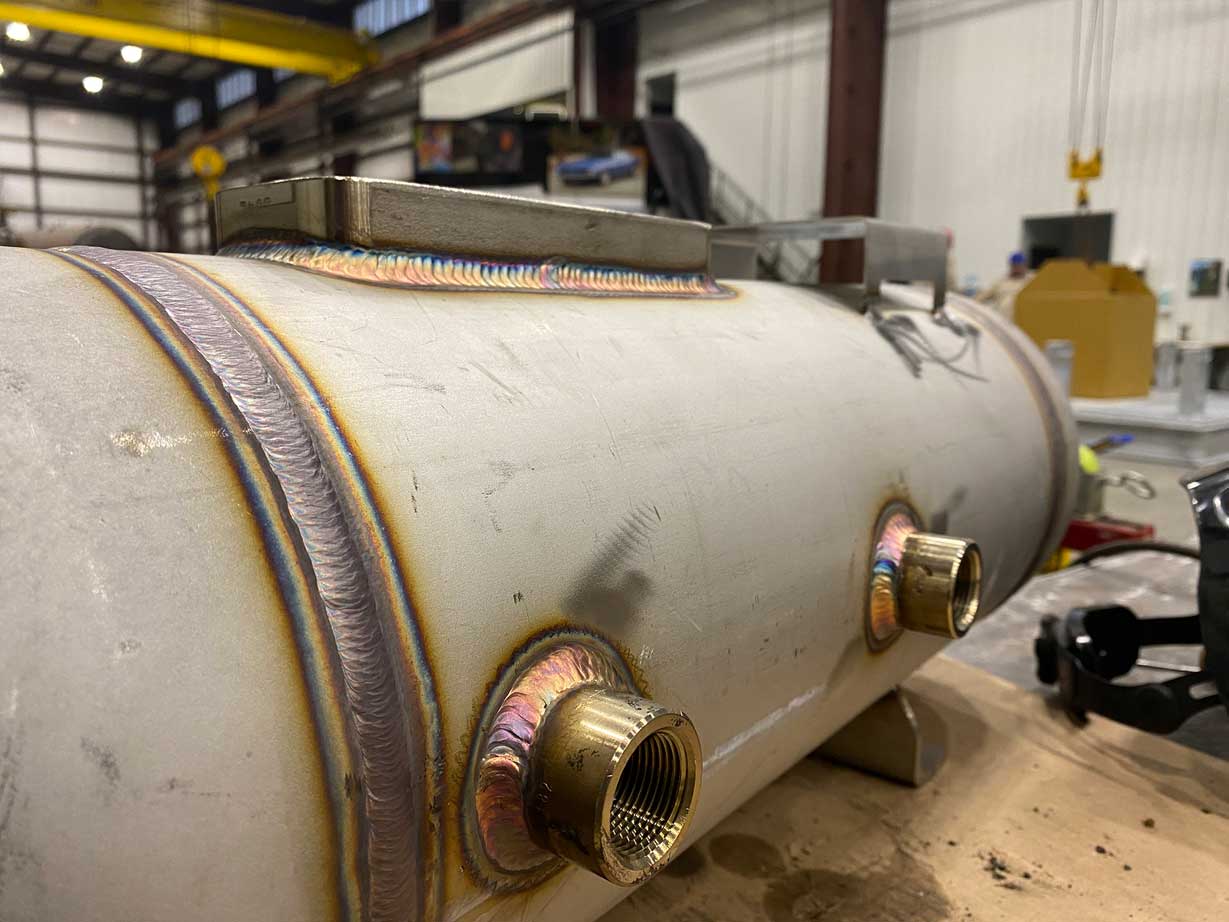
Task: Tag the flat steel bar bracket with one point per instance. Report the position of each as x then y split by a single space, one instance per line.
376 213
888 739
893 252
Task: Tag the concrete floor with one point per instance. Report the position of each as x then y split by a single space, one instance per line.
1148 583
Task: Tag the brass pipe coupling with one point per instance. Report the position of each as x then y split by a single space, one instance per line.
920 581
613 780
940 585
574 765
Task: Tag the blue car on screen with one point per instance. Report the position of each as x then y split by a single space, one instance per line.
598 168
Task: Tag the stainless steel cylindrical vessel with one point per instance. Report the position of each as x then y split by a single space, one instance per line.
276 546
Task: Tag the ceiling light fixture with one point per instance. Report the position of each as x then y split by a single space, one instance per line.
92 84
17 32
131 54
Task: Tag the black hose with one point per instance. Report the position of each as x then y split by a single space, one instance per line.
1114 548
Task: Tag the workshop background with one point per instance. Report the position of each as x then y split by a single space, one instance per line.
974 93
1073 153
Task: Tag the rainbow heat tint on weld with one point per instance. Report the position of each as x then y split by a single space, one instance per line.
883 621
455 273
294 576
497 841
407 631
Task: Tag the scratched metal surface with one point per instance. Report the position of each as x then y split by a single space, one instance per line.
695 481
152 704
1149 583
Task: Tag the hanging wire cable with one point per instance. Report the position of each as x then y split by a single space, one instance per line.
1090 42
1107 66
1072 126
1092 62
1097 40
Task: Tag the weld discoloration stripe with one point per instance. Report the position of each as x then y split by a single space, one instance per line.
406 628
392 861
895 524
504 765
457 273
495 838
287 560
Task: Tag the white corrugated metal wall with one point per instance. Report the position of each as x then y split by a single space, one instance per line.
976 132
521 65
56 145
751 80
976 106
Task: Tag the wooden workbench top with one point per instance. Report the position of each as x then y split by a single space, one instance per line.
1030 819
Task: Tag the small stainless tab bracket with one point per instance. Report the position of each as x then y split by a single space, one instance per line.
893 252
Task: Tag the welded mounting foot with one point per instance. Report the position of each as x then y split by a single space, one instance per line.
887 739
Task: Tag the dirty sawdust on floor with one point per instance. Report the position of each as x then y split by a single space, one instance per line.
1030 818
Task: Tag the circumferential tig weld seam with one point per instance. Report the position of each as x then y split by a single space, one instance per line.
457 273
335 559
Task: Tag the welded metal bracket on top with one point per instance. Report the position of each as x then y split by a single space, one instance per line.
893 252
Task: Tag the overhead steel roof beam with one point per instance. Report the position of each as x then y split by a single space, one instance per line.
73 96
326 11
206 29
403 65
134 75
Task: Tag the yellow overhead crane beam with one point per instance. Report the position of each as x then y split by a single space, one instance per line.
206 29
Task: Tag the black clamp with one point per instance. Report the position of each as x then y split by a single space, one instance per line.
1090 647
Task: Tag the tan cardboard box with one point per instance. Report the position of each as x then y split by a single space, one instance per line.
1106 311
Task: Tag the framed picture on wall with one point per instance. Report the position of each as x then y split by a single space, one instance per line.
477 148
1205 278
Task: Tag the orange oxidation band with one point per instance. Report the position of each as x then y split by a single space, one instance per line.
895 525
495 837
457 273
322 559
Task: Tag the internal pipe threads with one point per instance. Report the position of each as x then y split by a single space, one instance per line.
940 584
613 782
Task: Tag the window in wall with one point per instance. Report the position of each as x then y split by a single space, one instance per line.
282 74
236 87
378 16
187 111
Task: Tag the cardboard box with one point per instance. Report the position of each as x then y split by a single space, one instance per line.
1106 311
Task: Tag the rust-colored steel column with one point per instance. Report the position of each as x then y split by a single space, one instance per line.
446 15
855 98
616 47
